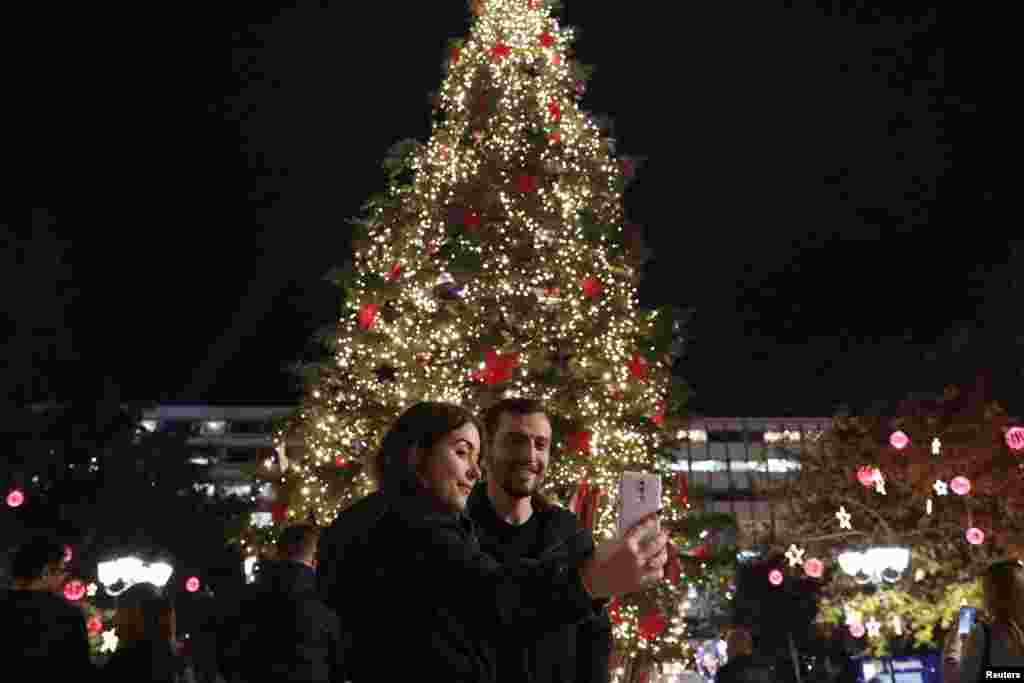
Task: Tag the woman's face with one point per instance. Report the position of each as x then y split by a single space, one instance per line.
449 471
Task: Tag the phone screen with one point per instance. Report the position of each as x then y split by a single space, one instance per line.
639 496
967 617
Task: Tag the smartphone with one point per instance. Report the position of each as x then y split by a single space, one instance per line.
968 615
639 496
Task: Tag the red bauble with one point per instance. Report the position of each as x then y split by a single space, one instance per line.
555 110
526 184
546 39
652 625
638 367
456 54
592 288
579 442
395 271
94 625
501 51
368 315
279 512
472 220
866 475
613 610
74 590
557 60
555 137
339 461
701 552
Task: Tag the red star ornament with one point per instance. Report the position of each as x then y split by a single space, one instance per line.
526 184
368 315
546 39
501 51
497 367
638 367
659 414
557 60
579 442
613 610
651 625
592 288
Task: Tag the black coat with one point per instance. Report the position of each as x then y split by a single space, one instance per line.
420 601
577 653
281 630
45 638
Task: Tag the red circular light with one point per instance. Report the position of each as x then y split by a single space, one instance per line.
74 590
94 626
814 568
975 536
15 498
857 630
775 577
899 440
1015 438
961 486
192 584
866 475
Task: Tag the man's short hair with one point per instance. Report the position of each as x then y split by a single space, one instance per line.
515 406
298 541
33 557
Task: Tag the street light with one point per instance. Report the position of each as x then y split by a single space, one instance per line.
128 571
876 565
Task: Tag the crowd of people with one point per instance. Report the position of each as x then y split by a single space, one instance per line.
440 574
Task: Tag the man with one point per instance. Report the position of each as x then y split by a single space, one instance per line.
47 635
283 631
515 521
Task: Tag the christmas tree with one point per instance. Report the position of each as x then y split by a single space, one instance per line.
937 492
500 263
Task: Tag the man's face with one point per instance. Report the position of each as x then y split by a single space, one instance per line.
55 575
522 449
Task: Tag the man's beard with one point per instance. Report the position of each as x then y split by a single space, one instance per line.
517 488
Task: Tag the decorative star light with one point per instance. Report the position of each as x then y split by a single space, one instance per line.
936 446
90 590
844 518
879 482
109 643
940 487
874 628
795 556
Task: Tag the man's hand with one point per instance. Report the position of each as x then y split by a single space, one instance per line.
630 563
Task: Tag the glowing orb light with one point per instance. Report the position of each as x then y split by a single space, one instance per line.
15 498
775 577
961 486
975 536
192 584
899 440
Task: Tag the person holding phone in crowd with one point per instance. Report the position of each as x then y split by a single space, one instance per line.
515 521
416 596
998 642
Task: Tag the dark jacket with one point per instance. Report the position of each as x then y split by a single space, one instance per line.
282 631
752 669
138 662
45 637
420 601
577 653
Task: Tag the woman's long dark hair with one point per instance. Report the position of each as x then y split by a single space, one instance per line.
156 609
421 426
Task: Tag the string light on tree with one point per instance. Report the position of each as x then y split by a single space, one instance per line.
936 446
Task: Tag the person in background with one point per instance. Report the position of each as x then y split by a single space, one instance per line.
1000 640
45 635
146 627
420 600
515 521
284 631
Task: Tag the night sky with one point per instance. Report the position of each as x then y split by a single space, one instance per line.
824 184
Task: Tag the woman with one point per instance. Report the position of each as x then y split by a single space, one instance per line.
145 624
417 598
1000 642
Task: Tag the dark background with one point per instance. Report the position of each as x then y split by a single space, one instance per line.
825 184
